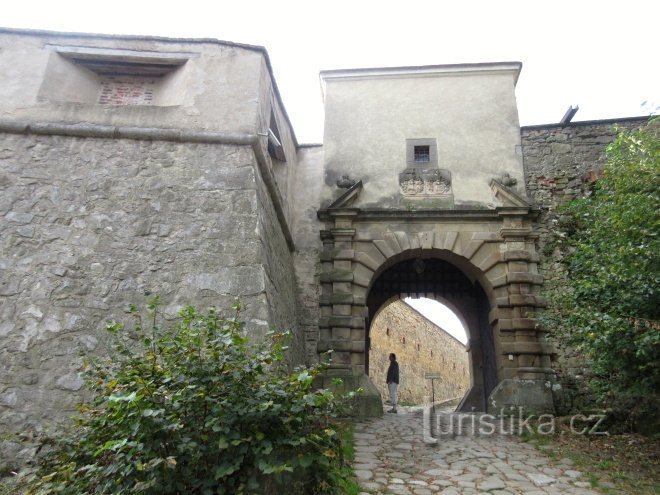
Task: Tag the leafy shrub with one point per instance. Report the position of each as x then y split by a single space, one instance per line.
608 308
195 408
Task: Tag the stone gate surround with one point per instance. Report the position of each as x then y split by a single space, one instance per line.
494 247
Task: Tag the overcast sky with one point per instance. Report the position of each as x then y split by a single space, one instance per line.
441 315
601 55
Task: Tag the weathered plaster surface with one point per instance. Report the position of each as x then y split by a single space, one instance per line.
472 116
306 232
216 89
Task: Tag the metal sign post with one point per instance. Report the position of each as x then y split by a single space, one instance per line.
433 377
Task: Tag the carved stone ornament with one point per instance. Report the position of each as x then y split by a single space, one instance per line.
507 180
425 182
345 182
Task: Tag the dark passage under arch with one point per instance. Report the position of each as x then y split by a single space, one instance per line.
439 279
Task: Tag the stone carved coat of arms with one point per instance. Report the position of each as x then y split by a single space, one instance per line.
425 182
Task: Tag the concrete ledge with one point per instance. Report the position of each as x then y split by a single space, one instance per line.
343 254
126 132
337 276
512 324
522 300
341 298
341 321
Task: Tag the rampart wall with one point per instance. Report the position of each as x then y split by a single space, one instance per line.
90 225
562 162
421 347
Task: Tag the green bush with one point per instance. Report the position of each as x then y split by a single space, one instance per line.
607 308
195 408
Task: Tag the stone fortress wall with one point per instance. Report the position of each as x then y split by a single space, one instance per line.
102 206
562 162
421 347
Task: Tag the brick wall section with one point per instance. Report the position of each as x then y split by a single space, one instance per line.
421 347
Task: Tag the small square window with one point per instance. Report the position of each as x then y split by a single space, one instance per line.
422 154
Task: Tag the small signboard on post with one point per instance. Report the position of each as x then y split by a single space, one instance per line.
433 377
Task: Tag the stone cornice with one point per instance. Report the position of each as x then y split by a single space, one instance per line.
425 215
422 71
126 132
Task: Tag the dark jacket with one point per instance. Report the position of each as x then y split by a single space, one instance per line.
393 372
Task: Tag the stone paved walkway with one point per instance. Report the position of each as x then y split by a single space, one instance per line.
391 457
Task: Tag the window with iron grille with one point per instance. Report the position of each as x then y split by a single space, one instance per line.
422 154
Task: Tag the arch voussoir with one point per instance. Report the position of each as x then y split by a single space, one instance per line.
403 240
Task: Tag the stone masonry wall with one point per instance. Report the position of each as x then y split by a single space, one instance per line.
306 233
421 347
562 163
90 225
279 276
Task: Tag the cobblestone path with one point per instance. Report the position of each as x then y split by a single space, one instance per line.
391 457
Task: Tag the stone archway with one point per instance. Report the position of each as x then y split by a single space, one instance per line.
423 273
494 249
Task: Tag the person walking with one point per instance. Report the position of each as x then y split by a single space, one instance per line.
393 381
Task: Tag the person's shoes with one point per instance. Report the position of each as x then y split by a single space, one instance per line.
392 411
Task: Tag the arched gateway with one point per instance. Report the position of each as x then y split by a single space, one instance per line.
482 262
431 203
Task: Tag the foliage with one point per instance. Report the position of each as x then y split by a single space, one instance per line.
608 306
617 464
196 408
348 484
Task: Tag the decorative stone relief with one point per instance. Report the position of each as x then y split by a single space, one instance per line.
345 182
508 181
425 182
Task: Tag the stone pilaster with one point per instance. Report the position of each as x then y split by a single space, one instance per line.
525 356
343 322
